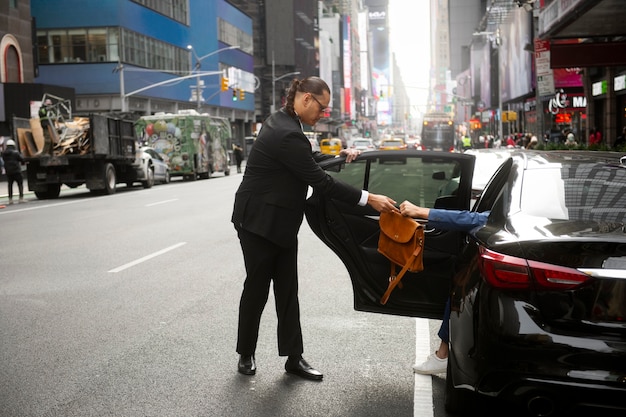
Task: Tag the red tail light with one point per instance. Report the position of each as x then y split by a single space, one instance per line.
504 271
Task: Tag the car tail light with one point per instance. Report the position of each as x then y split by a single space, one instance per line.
504 271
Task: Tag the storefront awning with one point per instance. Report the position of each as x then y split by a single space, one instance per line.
596 28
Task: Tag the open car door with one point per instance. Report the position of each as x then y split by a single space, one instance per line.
428 179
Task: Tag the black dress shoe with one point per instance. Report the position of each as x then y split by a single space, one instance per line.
246 365
300 367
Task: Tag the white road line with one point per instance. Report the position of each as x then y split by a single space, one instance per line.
423 397
24 207
161 202
145 258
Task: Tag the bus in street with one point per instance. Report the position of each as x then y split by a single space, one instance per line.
438 132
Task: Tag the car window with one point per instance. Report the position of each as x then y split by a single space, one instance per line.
585 191
494 187
420 181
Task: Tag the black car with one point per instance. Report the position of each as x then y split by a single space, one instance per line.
538 293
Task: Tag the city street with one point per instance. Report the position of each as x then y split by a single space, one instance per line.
126 305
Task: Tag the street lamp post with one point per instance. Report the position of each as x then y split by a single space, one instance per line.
198 66
274 79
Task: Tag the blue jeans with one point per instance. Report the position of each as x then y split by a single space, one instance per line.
444 329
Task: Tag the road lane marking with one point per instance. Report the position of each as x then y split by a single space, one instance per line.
22 208
161 202
423 395
147 257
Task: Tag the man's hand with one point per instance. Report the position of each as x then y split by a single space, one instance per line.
381 203
350 154
409 209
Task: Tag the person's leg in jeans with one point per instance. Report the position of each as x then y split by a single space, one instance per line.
437 362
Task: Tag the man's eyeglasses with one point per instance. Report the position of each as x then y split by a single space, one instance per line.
322 108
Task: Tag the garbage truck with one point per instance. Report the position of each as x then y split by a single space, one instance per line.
97 150
193 144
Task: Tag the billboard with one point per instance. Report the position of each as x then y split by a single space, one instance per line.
381 71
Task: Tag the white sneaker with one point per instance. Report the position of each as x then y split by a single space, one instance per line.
431 366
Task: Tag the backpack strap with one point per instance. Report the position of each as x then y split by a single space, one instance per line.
395 280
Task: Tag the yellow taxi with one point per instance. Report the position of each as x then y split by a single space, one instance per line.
392 144
331 146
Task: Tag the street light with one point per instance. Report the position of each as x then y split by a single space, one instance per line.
274 79
199 98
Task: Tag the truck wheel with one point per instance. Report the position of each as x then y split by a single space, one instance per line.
109 179
149 182
52 192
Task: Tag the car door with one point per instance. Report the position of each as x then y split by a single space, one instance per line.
158 165
429 179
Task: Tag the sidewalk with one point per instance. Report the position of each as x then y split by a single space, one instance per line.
4 192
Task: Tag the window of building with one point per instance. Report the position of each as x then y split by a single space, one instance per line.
174 9
106 45
232 35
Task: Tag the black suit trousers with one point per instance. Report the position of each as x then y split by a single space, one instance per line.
266 262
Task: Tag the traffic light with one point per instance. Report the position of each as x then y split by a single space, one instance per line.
242 94
234 94
224 84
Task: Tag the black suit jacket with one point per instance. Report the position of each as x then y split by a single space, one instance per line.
270 200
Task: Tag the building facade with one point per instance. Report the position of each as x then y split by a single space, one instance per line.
141 57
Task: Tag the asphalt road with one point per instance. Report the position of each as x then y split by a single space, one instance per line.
126 305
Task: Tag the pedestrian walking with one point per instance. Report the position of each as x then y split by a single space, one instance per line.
595 136
268 212
238 153
621 139
13 161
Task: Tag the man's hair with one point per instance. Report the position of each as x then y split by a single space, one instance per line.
313 85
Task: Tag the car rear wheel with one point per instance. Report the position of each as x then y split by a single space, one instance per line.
457 400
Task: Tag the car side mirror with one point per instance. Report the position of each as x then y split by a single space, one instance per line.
449 202
439 175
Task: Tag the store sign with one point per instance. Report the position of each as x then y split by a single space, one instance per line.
561 101
619 83
598 88
545 77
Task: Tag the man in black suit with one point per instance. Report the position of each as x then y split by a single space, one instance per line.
268 212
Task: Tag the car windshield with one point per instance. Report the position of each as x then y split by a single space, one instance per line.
580 191
393 143
413 179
